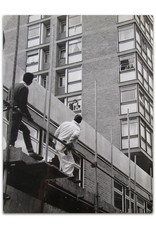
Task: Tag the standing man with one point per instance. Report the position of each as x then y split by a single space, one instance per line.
20 109
68 132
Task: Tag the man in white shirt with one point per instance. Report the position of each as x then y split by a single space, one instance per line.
68 132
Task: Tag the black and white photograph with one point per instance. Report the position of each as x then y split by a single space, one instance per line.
77 114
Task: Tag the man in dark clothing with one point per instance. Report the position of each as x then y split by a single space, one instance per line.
20 109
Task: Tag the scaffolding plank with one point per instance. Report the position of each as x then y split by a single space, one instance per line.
16 155
26 163
55 172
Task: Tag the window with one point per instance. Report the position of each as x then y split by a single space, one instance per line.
33 18
62 55
75 74
74 103
128 99
148 208
126 33
61 81
145 106
126 38
127 63
127 68
75 51
146 26
146 138
140 205
144 48
75 25
48 31
32 61
78 170
133 134
33 35
73 87
138 41
43 80
127 201
145 76
74 79
46 56
62 24
118 196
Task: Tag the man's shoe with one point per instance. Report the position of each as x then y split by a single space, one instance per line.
36 156
6 196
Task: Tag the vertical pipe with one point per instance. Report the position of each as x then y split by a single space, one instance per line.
50 89
12 100
112 173
135 201
129 156
44 115
96 184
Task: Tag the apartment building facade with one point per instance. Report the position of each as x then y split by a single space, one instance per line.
74 51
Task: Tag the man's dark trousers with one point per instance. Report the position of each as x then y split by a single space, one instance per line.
17 124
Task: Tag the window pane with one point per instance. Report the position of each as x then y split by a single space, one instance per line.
134 142
34 18
142 131
74 48
133 129
149 150
75 58
124 143
141 109
75 30
74 103
33 31
140 210
143 144
127 76
132 108
74 75
150 81
149 54
145 74
148 136
139 67
61 82
118 200
126 63
74 87
32 68
138 37
33 42
126 33
127 206
32 58
74 20
126 46
118 186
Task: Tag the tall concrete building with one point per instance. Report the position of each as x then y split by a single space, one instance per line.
69 54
